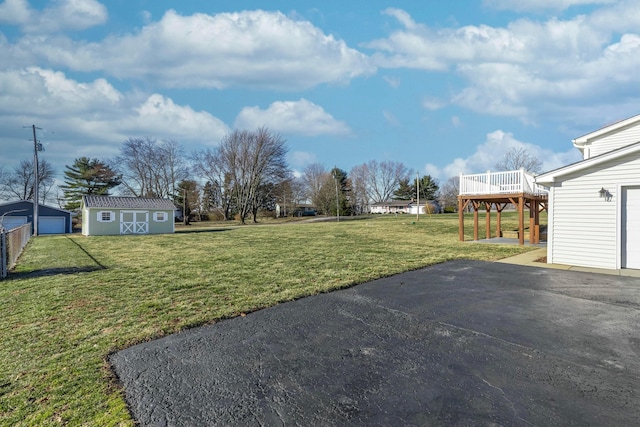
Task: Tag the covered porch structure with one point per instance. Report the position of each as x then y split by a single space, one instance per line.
499 189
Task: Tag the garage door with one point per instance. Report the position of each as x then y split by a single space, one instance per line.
631 227
51 225
10 222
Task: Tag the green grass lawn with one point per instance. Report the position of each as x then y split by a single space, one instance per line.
73 300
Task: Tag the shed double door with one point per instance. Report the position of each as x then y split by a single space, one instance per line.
134 222
631 227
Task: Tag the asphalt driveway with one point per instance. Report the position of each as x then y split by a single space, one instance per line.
459 343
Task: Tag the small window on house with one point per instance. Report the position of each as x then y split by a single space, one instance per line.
160 216
106 216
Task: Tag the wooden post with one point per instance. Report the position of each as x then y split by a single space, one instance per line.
521 219
460 219
537 222
499 208
532 233
487 207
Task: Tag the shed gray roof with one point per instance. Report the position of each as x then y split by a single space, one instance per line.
127 202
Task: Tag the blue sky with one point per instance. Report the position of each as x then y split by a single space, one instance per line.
443 87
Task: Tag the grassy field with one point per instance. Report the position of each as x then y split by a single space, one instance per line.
73 300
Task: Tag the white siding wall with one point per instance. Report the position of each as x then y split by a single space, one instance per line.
585 226
614 141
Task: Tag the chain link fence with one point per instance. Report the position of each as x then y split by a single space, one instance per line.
11 245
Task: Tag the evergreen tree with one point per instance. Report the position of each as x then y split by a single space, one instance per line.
188 188
339 177
209 198
405 191
428 188
87 176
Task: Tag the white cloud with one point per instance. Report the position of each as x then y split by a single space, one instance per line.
529 69
300 159
252 48
431 103
147 17
456 121
403 17
391 118
292 117
490 152
161 116
540 5
15 12
394 82
64 15
93 118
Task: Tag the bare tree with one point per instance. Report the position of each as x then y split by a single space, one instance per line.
209 164
252 160
313 178
296 186
359 194
381 179
449 194
151 168
173 165
288 193
519 158
20 183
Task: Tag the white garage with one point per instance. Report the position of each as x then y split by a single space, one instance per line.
594 204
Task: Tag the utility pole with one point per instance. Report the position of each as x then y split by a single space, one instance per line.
36 147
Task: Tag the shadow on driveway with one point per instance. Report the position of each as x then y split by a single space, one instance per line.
460 343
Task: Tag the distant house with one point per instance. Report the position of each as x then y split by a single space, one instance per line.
428 207
50 220
594 204
391 206
108 215
405 206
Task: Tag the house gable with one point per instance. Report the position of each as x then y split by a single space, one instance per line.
609 138
550 177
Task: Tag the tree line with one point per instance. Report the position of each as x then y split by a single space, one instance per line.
245 174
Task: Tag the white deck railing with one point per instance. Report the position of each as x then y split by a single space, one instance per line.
508 182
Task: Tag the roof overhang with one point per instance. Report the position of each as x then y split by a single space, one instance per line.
552 176
15 202
583 140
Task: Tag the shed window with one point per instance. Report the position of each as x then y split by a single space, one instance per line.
106 216
160 216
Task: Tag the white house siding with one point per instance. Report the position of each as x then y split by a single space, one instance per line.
584 225
614 141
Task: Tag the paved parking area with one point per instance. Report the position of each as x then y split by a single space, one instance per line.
459 343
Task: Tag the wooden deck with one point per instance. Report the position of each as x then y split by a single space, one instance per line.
499 189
